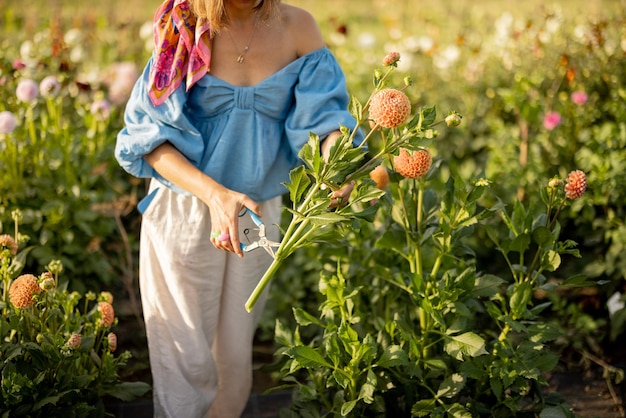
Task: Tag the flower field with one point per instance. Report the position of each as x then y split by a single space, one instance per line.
481 252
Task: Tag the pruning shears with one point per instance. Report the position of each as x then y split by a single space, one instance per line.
262 242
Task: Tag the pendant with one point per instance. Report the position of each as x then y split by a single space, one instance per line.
240 58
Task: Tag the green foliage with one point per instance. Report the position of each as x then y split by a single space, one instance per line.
57 349
57 163
414 328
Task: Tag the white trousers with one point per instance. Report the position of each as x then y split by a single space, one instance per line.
199 333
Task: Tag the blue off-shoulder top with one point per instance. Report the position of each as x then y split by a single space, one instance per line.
245 138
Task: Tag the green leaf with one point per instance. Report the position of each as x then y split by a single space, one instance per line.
128 391
423 408
299 181
327 218
496 387
520 299
347 407
356 108
579 280
542 236
308 357
487 285
520 243
458 411
429 114
469 344
554 412
546 362
368 388
304 318
342 378
451 386
393 356
551 260
282 334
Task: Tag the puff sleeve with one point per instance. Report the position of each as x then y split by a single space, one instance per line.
321 102
147 127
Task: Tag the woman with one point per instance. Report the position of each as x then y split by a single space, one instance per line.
227 100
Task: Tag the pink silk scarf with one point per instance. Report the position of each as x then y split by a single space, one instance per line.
182 49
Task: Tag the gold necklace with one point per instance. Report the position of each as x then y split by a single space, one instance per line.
241 58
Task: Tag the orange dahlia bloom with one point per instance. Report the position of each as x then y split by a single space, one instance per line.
107 314
7 241
413 166
112 338
380 176
22 291
390 108
576 184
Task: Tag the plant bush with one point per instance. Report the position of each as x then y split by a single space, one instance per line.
57 352
415 328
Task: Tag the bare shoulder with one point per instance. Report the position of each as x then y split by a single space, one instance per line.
302 28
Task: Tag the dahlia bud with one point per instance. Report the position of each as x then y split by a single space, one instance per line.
413 166
389 108
107 314
74 341
576 184
7 242
112 339
453 119
47 283
380 176
106 296
55 266
392 58
554 183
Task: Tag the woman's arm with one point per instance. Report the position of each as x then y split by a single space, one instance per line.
224 204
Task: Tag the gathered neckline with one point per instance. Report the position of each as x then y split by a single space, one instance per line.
269 77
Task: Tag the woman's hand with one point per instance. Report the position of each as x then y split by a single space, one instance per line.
225 206
340 197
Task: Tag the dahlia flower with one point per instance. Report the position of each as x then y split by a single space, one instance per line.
27 91
412 166
101 109
579 97
390 108
576 184
22 291
8 123
551 120
49 86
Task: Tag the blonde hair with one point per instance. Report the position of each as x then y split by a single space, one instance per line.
215 11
